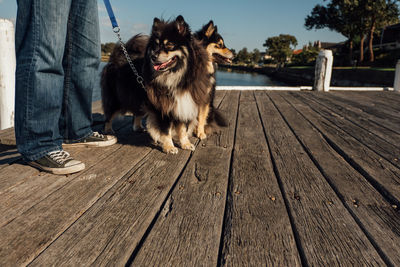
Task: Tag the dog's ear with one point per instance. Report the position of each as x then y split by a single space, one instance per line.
156 22
209 29
181 25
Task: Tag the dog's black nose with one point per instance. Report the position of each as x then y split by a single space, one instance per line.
153 57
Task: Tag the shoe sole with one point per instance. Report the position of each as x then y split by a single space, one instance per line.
92 144
59 171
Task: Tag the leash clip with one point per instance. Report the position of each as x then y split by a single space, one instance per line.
116 29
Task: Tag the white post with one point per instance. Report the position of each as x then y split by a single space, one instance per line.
7 74
323 71
397 77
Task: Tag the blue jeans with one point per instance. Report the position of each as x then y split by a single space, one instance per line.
58 54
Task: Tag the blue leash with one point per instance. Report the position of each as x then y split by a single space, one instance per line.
115 26
110 12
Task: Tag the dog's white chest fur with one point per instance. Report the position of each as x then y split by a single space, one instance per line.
185 108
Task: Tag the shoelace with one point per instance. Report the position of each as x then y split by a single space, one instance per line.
96 134
59 156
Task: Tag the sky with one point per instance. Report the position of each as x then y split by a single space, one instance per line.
241 23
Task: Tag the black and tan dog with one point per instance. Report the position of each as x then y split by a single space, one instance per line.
177 82
217 52
120 91
172 75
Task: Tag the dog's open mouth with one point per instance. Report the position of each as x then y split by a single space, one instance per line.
221 59
158 66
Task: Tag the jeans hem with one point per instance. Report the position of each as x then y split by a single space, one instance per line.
76 140
40 154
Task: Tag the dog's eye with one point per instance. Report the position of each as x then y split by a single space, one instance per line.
169 46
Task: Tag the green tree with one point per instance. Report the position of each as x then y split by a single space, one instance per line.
280 47
256 56
342 16
243 56
377 14
307 56
354 18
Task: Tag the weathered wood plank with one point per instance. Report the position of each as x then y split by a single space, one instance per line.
356 116
385 149
14 176
382 100
382 174
257 227
23 195
27 235
392 97
322 229
382 116
219 98
375 215
8 155
110 230
7 137
188 232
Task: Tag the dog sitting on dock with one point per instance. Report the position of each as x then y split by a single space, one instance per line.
121 92
177 80
217 52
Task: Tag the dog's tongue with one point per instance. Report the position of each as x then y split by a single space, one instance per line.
159 66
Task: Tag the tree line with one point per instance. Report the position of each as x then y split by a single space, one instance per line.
355 19
358 20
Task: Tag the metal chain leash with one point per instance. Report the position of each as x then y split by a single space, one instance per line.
139 78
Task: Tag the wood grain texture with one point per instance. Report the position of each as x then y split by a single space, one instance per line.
384 176
257 227
357 116
109 231
7 137
188 231
381 116
22 186
322 229
370 209
30 233
8 155
385 101
294 180
391 99
359 131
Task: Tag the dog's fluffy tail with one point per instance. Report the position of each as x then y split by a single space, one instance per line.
217 118
214 121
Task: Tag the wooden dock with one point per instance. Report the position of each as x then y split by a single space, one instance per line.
297 179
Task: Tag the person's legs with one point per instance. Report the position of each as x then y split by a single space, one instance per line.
81 62
41 31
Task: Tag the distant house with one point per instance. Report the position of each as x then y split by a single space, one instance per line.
298 51
327 45
265 56
389 38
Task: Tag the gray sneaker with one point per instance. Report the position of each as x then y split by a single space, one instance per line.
94 140
58 162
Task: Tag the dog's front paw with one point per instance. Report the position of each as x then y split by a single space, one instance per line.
202 135
188 146
170 149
